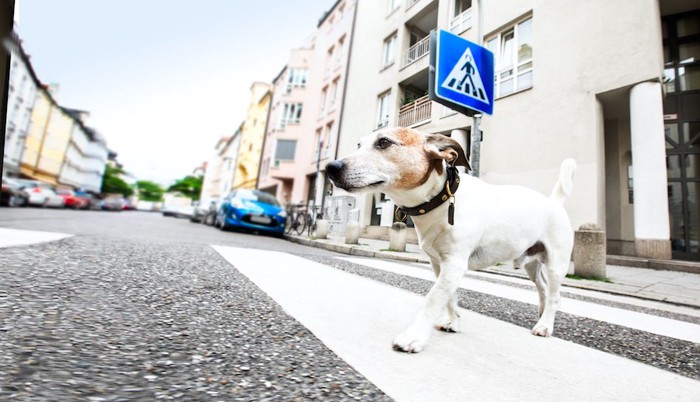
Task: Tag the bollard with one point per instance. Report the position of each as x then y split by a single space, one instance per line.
397 237
352 233
590 251
322 229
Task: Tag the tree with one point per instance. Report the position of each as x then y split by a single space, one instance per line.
113 184
149 191
189 186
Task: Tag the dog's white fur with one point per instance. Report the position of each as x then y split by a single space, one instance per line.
492 223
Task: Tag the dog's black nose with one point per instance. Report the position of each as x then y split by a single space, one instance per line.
333 169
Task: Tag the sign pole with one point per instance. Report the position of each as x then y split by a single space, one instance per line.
475 145
461 77
476 136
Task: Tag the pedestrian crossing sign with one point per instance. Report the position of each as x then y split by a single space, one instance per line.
461 74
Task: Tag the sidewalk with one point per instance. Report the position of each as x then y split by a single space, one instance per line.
674 287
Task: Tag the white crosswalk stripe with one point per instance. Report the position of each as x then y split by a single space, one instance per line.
631 319
357 317
17 237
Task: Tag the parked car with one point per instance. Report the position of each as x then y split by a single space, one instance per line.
41 194
205 211
93 202
112 203
72 200
252 210
12 195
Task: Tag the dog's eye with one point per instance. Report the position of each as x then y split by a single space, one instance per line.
383 143
358 145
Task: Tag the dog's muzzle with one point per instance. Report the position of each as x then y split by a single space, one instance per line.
334 170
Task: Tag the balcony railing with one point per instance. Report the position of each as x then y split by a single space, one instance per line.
416 51
462 22
415 112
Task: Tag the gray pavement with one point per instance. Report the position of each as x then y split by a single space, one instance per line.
134 306
682 288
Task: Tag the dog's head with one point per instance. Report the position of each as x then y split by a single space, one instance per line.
395 159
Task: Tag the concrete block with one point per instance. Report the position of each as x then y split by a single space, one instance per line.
397 237
322 226
590 251
352 233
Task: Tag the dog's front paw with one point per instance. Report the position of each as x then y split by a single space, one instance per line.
410 342
543 330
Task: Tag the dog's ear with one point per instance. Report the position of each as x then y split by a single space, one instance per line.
439 146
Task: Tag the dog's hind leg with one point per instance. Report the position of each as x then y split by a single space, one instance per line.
534 271
449 320
552 272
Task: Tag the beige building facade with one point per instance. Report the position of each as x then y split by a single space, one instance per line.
252 133
613 85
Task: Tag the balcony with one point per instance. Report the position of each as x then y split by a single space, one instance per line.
415 112
462 22
415 52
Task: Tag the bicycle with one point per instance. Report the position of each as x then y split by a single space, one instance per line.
312 218
296 219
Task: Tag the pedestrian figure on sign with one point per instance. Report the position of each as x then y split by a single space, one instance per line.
469 69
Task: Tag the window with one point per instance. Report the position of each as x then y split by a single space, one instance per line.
461 16
383 109
341 11
393 5
319 142
285 150
291 114
334 93
329 60
461 6
327 141
512 49
339 52
389 50
296 78
324 98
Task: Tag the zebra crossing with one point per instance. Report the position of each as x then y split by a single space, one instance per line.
602 349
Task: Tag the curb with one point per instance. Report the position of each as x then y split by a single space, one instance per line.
356 250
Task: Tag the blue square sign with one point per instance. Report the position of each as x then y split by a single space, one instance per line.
462 74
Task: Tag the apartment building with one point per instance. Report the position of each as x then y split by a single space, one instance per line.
85 156
20 101
612 84
47 140
60 149
302 131
252 133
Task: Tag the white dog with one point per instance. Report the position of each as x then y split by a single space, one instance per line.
491 223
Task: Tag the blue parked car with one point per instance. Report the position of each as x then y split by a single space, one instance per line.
251 210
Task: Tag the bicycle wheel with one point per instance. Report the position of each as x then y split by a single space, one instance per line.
300 223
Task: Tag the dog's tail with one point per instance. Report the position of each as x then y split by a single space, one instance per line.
565 184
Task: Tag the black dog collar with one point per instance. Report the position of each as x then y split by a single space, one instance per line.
447 193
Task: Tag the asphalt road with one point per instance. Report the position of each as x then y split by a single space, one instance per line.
136 306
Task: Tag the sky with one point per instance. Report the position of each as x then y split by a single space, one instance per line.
163 80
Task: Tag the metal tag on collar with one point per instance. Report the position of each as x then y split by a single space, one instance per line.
452 175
